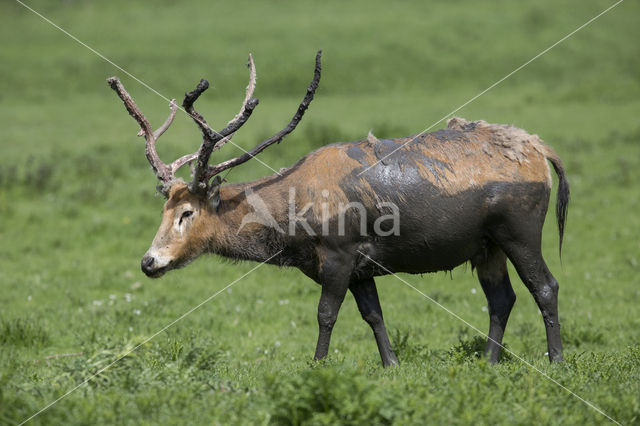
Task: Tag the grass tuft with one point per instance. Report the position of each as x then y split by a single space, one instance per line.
26 332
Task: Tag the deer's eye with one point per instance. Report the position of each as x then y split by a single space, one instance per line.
185 215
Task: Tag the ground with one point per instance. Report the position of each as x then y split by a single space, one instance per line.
78 210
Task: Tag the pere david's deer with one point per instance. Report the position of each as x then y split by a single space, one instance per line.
349 212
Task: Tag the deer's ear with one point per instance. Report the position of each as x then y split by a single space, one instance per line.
213 194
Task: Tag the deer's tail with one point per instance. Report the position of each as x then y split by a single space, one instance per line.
562 201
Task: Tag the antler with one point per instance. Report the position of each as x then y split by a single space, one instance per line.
166 172
211 140
163 172
277 138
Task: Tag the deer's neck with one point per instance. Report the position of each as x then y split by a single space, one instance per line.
248 224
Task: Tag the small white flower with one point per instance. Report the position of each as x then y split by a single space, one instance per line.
473 291
130 329
237 308
277 344
284 302
29 298
97 302
293 324
259 302
112 297
335 351
127 297
484 309
137 311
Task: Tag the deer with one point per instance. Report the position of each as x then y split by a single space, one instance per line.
473 192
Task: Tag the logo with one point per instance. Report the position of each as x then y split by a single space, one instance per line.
327 218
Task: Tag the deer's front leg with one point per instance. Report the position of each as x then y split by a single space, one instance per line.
334 279
330 301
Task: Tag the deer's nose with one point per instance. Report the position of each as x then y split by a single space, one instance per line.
147 265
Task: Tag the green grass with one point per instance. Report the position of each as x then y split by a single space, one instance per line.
78 209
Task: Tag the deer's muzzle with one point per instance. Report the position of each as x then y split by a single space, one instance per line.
151 267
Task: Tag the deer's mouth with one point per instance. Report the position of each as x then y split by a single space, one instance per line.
157 273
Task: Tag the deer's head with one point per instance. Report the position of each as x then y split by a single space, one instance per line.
191 207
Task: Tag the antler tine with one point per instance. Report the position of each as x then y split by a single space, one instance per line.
248 95
278 137
161 170
167 123
189 100
182 161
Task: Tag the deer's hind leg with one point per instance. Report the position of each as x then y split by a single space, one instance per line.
543 286
519 235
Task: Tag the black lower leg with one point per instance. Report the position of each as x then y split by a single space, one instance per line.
500 298
366 296
494 279
546 297
536 276
330 301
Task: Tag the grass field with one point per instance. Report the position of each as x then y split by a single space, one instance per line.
78 210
